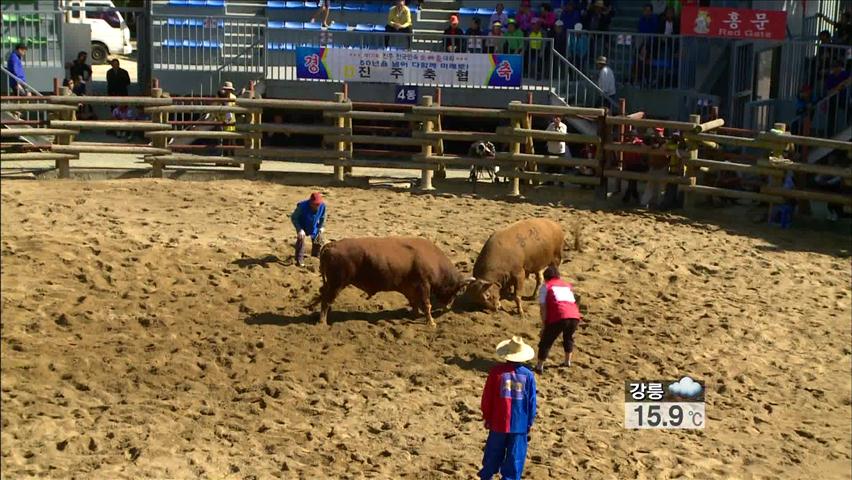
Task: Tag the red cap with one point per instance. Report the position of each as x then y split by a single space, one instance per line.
316 199
660 130
454 20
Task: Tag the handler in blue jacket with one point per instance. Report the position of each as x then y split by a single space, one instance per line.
508 407
309 220
16 66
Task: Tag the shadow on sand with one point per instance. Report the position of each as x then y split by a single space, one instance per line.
262 261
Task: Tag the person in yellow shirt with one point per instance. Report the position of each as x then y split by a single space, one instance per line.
399 21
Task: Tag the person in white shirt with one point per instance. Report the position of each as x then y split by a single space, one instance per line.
606 79
499 15
556 148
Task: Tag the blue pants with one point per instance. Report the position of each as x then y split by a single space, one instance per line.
504 453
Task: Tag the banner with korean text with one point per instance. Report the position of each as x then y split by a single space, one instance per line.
409 68
736 23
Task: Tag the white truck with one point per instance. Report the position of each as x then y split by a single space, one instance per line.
110 34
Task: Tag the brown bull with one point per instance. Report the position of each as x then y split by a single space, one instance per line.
412 266
510 255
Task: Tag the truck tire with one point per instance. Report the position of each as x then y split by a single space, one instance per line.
99 54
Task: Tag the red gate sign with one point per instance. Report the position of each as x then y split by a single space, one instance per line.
741 23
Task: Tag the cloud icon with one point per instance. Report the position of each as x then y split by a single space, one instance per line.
685 387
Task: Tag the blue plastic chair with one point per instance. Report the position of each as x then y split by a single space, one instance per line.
378 28
467 11
364 27
177 3
295 5
196 3
374 8
294 25
352 7
276 4
338 27
485 11
216 3
275 25
312 26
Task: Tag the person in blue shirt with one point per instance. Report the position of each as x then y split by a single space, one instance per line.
648 22
16 66
309 220
570 15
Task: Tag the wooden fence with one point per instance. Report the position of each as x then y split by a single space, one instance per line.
243 147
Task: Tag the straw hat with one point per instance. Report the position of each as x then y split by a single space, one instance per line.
515 350
578 26
227 86
601 59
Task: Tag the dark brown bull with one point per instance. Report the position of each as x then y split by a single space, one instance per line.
510 255
412 266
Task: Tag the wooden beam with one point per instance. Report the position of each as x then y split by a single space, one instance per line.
547 159
553 177
199 109
291 153
194 134
462 112
109 100
357 115
89 148
844 172
721 139
516 106
34 156
545 135
626 147
724 192
840 198
379 140
287 104
36 107
455 160
289 128
707 126
648 122
810 141
646 177
733 167
401 165
109 125
461 136
33 132
197 159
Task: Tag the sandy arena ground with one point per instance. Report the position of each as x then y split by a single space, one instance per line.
149 330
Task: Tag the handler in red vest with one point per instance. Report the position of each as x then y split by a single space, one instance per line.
559 315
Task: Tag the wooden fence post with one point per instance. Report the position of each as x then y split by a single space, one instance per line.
158 141
340 122
426 175
64 165
600 156
691 172
515 149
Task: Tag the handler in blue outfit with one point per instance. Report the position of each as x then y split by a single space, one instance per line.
309 220
508 407
15 64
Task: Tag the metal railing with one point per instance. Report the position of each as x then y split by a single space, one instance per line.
641 60
575 88
831 115
208 43
41 31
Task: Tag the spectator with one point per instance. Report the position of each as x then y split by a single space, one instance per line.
494 43
322 13
836 76
499 15
124 113
15 64
805 102
842 28
514 39
228 119
832 184
81 72
525 16
633 162
598 17
578 45
118 80
475 34
570 15
669 23
508 408
836 81
535 53
399 21
453 38
548 17
556 148
606 79
84 112
560 38
648 22
658 169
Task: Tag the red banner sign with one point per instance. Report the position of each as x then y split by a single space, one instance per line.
741 23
